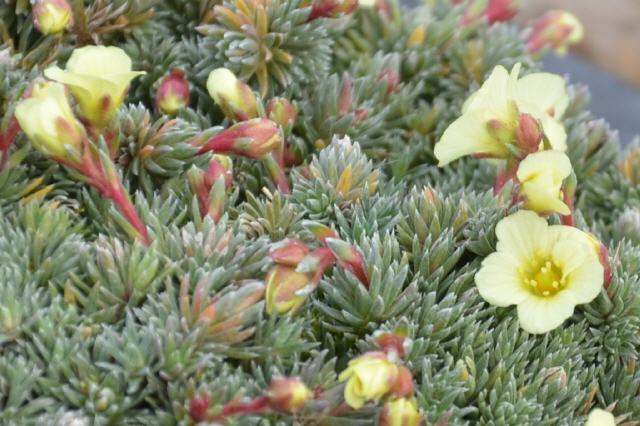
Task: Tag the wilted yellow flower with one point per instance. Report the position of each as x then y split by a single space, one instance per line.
288 394
557 29
47 120
491 116
600 417
400 412
541 175
544 270
369 377
98 77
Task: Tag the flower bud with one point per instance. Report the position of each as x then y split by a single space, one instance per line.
198 408
403 385
528 134
288 394
501 10
98 77
558 30
254 138
392 343
369 378
281 111
331 8
48 121
286 290
221 166
289 252
349 258
52 16
598 417
234 97
173 93
400 412
555 375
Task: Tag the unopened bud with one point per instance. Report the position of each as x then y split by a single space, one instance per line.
332 8
528 134
558 30
346 95
392 342
393 82
221 166
555 375
501 10
288 394
51 16
198 408
254 138
289 253
281 111
234 97
400 412
173 93
349 258
286 289
403 385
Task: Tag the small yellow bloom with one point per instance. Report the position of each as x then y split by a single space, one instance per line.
541 175
400 412
98 77
369 377
47 120
598 417
288 394
544 270
490 116
286 289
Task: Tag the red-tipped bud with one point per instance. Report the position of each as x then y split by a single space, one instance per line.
281 111
289 252
173 93
528 134
198 408
603 255
501 10
392 343
234 97
557 30
220 166
254 138
346 95
349 258
52 16
403 385
332 8
288 394
287 289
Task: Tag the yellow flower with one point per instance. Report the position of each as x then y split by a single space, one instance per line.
544 270
541 175
98 77
47 120
286 289
288 394
369 377
400 412
490 117
600 417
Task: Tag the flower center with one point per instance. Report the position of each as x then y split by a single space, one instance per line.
544 278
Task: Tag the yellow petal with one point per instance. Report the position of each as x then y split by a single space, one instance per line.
99 61
493 95
547 92
582 269
467 135
499 282
522 234
599 417
543 314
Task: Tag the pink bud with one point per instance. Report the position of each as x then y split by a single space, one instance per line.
331 8
173 93
393 80
281 111
391 342
528 134
346 96
198 408
557 29
254 138
52 16
403 385
289 252
501 10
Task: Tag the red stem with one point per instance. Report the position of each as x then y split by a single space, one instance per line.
121 199
257 405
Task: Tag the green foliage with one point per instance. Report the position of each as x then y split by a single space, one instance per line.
96 328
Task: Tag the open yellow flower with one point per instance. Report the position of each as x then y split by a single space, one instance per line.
541 175
47 120
98 77
369 377
600 417
545 270
490 117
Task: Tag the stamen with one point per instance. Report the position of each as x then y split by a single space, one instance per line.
546 293
555 284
